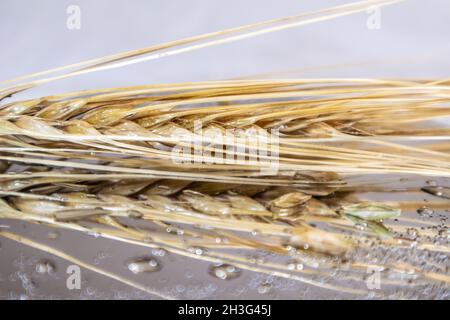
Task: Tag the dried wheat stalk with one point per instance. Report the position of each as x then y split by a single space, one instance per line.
99 161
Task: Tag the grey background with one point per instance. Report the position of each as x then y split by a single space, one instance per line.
413 42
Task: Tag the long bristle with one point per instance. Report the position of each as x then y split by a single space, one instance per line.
98 161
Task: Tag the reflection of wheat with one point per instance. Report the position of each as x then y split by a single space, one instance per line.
96 161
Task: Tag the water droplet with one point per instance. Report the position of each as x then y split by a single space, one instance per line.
93 234
121 295
144 265
361 226
264 288
90 291
292 251
180 288
45 267
432 183
425 212
159 252
224 271
438 191
410 271
223 240
197 250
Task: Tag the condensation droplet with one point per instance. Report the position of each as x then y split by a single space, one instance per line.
425 212
45 267
144 265
93 234
222 240
264 288
256 232
180 288
90 291
412 233
159 252
432 183
224 271
197 250
361 226
441 192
